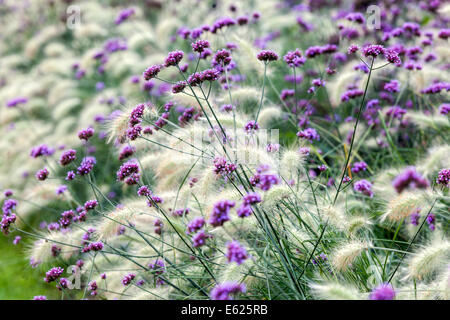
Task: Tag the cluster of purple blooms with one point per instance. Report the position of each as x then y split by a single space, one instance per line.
409 178
129 172
8 217
227 290
236 252
219 214
364 187
443 178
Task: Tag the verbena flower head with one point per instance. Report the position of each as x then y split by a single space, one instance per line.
200 45
124 15
42 174
219 214
151 72
67 157
41 150
195 224
267 56
443 177
236 252
384 291
227 290
173 58
409 178
373 50
294 58
127 279
86 134
364 187
53 274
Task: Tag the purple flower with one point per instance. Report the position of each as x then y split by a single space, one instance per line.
128 278
235 252
219 214
250 126
444 108
39 298
17 240
61 189
126 152
179 86
151 72
90 205
409 178
42 174
309 134
195 224
70 176
384 291
444 177
127 169
392 86
364 187
53 274
86 133
124 15
294 58
16 101
244 210
67 157
8 193
226 290
222 167
86 166
221 58
144 191
414 217
251 198
373 50
431 219
351 94
174 58
199 239
41 150
200 45
359 166
267 56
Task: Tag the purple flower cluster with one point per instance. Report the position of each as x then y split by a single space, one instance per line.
128 172
294 58
236 252
267 56
364 187
222 167
53 274
359 166
41 150
384 291
226 290
409 178
309 134
443 177
67 157
128 278
219 214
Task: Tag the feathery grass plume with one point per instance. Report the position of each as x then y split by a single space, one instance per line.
120 216
268 115
343 256
335 216
357 223
428 259
436 159
291 163
433 121
403 205
248 57
443 283
243 95
334 291
273 196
